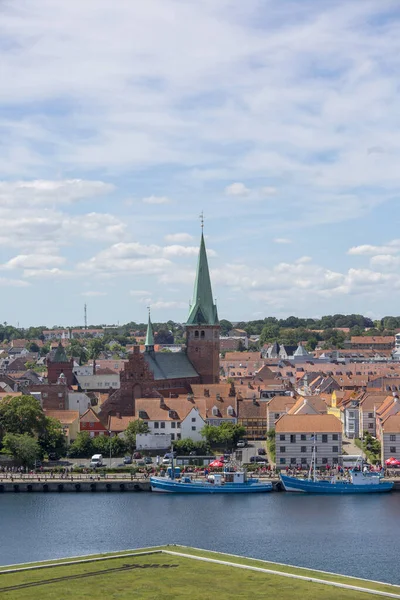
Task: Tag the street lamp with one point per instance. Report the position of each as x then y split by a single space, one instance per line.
110 447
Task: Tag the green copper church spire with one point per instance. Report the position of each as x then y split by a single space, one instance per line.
149 343
203 311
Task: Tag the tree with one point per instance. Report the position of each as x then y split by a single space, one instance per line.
131 432
33 347
95 347
226 326
52 440
21 414
23 447
227 434
311 344
164 336
82 447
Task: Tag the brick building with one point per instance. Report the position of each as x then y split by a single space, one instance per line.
59 364
152 374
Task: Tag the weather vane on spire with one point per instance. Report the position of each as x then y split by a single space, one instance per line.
148 308
201 217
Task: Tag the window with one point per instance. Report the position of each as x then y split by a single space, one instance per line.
393 438
292 439
162 424
193 419
335 448
370 425
313 438
173 425
193 427
392 449
335 460
178 436
44 394
196 334
276 416
303 437
324 438
91 424
303 449
370 415
282 437
178 425
303 460
293 461
324 461
172 436
282 461
335 437
156 425
202 334
282 449
351 414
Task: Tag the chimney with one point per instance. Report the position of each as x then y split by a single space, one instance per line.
136 349
206 393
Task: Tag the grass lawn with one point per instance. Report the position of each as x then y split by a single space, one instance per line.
163 576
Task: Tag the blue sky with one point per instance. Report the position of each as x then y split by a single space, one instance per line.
121 122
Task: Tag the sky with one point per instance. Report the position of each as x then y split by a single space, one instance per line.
120 122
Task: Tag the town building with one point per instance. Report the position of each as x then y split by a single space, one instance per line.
369 403
69 420
252 414
59 364
277 407
296 435
147 374
92 424
390 438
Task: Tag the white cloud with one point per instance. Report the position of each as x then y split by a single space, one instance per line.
168 304
53 273
139 293
93 293
173 238
156 200
33 261
237 189
268 191
392 247
282 241
13 282
42 192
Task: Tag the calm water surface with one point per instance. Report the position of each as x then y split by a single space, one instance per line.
352 535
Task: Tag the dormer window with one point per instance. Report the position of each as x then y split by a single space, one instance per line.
142 414
215 411
230 411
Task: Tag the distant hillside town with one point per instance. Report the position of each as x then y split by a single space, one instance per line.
281 380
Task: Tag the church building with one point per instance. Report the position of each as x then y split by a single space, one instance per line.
152 374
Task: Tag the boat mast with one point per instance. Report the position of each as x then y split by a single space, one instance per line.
312 465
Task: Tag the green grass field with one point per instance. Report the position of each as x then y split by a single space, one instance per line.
159 576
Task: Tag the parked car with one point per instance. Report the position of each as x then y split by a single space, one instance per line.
137 455
148 460
262 451
259 460
166 461
127 460
241 444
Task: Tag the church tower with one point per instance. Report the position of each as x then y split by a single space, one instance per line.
202 326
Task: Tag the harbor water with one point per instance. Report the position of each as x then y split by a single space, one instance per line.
353 535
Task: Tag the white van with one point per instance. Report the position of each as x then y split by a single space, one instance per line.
96 460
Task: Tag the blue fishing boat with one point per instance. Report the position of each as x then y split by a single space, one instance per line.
231 481
357 482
